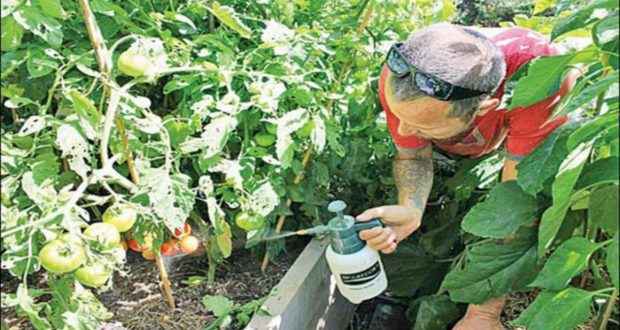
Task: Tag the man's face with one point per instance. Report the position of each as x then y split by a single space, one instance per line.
425 117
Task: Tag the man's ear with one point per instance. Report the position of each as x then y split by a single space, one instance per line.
487 105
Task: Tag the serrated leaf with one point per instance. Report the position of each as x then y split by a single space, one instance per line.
40 25
543 79
494 269
219 305
228 16
612 261
224 239
557 310
75 148
45 166
588 94
436 312
85 109
581 17
505 210
12 34
264 200
570 259
562 190
543 162
603 211
32 125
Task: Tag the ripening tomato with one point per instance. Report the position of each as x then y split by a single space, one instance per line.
118 254
189 244
169 248
122 217
94 275
187 230
105 234
59 256
148 255
133 64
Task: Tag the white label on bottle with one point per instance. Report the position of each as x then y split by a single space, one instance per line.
362 277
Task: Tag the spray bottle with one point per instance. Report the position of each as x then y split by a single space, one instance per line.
356 266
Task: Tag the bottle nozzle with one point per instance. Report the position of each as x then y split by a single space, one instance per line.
318 230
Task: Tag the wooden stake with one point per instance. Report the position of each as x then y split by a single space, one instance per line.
328 107
101 53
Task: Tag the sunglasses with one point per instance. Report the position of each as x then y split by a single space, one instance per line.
427 83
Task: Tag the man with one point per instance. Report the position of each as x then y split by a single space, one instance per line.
442 89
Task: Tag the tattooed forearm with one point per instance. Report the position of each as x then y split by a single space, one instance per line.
413 175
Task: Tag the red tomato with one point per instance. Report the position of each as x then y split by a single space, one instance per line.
133 244
187 230
189 244
169 248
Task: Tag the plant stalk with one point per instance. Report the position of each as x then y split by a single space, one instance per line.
330 104
602 323
164 280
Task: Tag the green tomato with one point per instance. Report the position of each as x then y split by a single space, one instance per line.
94 275
264 139
305 130
249 222
271 128
361 61
122 217
60 256
105 234
132 64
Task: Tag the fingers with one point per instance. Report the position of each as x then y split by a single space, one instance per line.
385 212
381 239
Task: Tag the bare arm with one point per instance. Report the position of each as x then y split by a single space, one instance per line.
413 175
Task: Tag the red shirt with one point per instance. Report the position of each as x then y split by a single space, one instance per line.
522 128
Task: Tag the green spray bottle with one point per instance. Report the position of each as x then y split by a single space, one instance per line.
356 266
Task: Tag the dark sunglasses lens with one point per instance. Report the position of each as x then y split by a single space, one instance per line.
431 86
397 63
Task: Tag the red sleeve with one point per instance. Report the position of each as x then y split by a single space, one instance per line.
406 144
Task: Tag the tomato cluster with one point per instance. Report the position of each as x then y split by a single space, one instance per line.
182 242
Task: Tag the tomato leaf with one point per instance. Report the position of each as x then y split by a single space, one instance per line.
494 269
557 310
224 238
12 34
219 305
567 261
505 210
228 16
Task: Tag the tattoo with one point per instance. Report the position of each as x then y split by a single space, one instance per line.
413 175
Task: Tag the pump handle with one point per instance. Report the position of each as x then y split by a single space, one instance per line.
363 225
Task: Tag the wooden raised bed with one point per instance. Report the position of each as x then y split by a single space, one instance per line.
307 297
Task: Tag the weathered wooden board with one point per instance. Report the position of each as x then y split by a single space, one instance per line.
307 297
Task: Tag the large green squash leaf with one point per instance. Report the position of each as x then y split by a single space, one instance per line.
612 261
567 261
435 312
503 213
586 95
543 162
562 190
406 277
557 310
603 212
544 77
581 17
592 129
494 269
